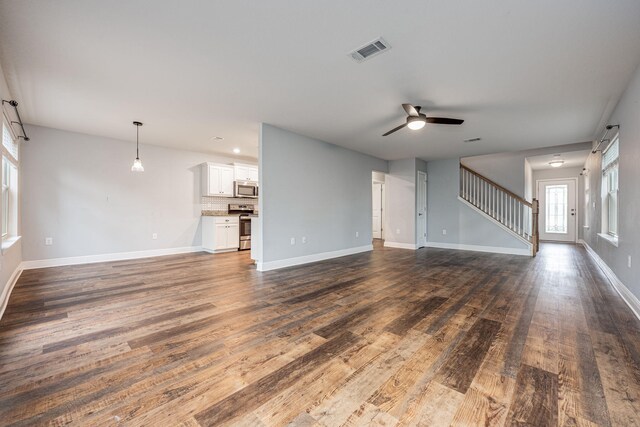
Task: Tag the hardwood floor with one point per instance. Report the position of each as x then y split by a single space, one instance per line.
393 337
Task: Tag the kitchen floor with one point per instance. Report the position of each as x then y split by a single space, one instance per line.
429 337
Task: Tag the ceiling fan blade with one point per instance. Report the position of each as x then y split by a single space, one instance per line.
411 110
394 129
444 121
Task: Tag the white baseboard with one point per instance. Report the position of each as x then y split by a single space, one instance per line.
289 262
478 248
398 245
631 300
6 293
119 256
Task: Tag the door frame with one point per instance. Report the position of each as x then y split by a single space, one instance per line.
575 186
382 206
426 202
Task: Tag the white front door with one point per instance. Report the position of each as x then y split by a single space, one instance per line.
376 210
558 210
421 208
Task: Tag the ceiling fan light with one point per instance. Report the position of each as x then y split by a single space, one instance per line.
416 124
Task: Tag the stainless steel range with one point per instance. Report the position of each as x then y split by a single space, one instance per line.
245 223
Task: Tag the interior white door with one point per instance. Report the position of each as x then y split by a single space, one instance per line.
558 210
376 210
421 226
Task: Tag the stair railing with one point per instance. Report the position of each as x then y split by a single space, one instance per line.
504 206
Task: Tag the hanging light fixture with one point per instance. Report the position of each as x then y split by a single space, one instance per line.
137 164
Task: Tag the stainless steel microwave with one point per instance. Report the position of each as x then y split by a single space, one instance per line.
245 189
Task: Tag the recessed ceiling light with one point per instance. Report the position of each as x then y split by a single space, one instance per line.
217 138
236 150
473 140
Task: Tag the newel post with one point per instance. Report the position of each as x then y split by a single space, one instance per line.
535 208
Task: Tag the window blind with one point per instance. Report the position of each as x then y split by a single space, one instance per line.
610 156
9 143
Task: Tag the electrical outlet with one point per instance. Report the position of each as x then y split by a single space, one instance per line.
397 231
154 236
357 234
304 239
444 231
629 261
293 240
48 241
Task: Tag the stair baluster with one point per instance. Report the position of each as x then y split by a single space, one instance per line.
505 207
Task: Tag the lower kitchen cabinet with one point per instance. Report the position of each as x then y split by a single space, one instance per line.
220 233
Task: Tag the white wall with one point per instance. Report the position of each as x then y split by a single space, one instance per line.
313 189
79 189
626 114
463 225
10 258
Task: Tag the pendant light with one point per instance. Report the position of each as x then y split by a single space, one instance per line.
137 164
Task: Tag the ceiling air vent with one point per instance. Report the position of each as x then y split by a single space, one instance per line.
370 50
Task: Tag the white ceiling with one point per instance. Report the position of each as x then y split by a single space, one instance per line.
523 74
572 159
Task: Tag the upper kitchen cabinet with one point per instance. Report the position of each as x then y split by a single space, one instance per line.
245 172
217 180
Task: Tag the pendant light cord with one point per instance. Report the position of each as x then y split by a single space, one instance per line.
137 142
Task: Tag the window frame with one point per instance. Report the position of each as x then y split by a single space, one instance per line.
611 190
9 228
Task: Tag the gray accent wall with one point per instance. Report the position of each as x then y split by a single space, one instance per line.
627 114
508 169
555 173
313 189
79 190
464 225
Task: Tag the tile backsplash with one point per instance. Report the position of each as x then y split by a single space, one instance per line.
214 203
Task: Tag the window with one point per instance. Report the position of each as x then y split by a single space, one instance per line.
610 188
9 183
587 199
556 198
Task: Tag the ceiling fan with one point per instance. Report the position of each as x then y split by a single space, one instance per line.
416 120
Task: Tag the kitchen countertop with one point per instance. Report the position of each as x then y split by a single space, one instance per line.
218 213
224 213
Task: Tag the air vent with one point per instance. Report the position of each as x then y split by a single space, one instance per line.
473 140
370 50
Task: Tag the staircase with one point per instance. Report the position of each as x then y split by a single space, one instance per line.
509 210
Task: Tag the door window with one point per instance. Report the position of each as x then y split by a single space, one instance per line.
556 209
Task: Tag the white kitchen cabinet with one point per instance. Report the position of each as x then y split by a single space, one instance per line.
245 173
217 180
220 233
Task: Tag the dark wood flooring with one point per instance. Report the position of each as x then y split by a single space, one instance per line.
392 337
